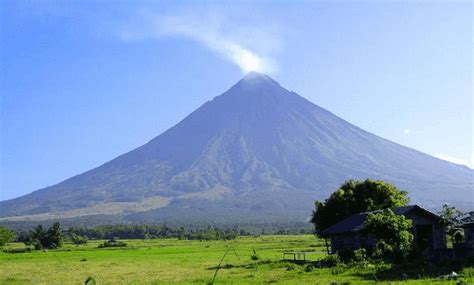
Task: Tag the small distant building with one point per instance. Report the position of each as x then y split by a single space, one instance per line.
427 230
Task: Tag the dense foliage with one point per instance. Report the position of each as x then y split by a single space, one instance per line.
6 236
45 239
392 233
356 196
450 218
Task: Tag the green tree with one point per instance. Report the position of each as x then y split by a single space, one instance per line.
355 196
6 236
450 219
36 237
54 236
392 233
40 238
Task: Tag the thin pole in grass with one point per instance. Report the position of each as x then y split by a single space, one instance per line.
219 266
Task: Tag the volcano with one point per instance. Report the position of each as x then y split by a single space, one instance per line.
256 152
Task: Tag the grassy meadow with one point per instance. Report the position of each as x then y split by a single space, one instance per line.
172 261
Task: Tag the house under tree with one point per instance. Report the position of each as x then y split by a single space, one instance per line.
427 230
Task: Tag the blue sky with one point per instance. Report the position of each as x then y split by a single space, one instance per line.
84 81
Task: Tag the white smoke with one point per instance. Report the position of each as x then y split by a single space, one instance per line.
210 30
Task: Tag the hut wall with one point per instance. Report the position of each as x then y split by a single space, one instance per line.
469 237
351 241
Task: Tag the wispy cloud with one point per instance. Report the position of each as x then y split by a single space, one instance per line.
467 162
234 41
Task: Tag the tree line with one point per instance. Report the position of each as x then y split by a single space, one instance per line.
154 231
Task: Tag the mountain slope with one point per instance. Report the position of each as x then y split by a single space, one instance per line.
256 150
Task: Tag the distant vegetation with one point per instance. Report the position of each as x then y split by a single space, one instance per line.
45 239
54 236
114 242
151 231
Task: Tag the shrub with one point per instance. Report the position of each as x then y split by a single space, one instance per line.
309 268
45 239
392 233
6 236
254 256
330 260
338 269
112 243
17 250
290 267
360 255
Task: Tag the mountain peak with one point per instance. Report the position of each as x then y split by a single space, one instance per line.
256 77
255 82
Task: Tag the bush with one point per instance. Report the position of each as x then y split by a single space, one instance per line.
45 239
394 239
254 256
6 236
338 269
309 268
78 240
112 243
17 250
330 260
360 255
290 267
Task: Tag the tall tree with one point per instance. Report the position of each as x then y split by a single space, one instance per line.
55 236
355 196
40 238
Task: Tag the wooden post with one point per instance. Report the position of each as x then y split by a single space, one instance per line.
327 247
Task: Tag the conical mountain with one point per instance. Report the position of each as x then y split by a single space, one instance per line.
256 151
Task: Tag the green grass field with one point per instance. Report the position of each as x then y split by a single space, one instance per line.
171 261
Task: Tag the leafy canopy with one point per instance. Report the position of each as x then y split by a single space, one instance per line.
392 233
355 196
451 219
6 236
41 238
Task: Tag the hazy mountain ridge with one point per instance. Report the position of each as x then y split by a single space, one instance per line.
256 149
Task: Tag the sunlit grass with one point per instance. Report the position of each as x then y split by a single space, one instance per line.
172 261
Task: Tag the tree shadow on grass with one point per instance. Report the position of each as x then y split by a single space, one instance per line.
272 263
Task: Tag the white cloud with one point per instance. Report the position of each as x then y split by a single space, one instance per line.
467 162
211 29
406 131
